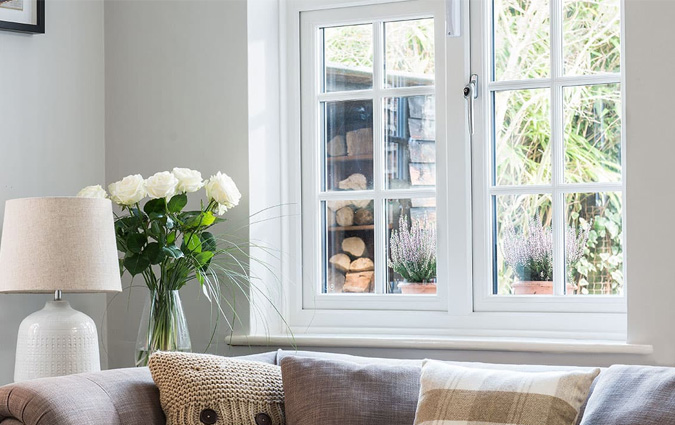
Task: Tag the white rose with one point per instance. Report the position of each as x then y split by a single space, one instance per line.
128 191
92 192
188 180
221 209
221 188
161 185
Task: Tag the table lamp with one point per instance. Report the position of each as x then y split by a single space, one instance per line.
57 245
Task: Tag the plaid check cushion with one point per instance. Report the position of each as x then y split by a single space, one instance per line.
458 395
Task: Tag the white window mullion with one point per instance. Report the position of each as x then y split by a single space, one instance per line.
378 158
558 166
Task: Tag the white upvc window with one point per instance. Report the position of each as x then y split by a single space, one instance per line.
548 156
373 129
374 137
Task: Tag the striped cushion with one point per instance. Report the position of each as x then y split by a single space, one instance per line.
458 395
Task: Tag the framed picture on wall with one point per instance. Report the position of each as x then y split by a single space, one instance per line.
23 16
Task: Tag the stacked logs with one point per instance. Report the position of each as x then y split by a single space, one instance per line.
350 213
351 270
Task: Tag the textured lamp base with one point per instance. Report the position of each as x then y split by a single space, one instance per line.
55 341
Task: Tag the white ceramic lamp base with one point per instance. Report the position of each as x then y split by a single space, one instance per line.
55 341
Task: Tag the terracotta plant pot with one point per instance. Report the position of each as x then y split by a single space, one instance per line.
417 288
534 287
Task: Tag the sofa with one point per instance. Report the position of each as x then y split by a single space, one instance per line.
621 395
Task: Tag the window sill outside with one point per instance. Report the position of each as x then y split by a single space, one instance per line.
536 345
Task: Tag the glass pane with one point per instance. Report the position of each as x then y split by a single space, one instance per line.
591 36
524 245
409 59
593 133
409 141
521 39
523 134
349 264
411 246
348 58
594 246
348 144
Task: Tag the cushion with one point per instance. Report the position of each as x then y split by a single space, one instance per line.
456 394
337 392
197 389
632 395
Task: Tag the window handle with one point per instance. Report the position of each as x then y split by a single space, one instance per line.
470 94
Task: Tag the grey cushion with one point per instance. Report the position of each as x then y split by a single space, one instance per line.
632 395
336 392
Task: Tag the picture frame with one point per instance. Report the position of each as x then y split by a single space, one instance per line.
27 16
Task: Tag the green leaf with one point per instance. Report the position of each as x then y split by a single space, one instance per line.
208 242
136 264
155 216
204 257
156 230
177 203
203 219
192 245
135 242
154 253
157 206
125 224
172 251
136 213
171 238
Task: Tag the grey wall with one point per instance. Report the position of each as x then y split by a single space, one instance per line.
649 175
176 95
51 131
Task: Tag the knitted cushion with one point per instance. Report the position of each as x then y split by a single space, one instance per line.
197 389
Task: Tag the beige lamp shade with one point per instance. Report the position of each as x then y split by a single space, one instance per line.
65 244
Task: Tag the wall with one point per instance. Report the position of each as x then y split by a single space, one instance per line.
52 132
650 152
176 96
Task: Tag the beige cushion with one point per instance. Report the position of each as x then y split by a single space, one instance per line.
197 389
455 394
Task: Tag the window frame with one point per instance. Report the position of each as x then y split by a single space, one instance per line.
459 317
312 154
483 144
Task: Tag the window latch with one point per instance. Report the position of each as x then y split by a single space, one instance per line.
471 94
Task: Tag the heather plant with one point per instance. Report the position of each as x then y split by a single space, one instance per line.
531 256
412 250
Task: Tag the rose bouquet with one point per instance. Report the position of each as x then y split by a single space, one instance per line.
169 246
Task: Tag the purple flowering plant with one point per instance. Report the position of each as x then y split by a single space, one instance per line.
531 256
412 250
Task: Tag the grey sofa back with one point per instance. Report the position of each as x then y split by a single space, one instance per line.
111 397
130 397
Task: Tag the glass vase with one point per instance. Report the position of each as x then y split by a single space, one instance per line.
163 326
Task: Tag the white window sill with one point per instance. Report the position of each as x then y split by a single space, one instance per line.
537 345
